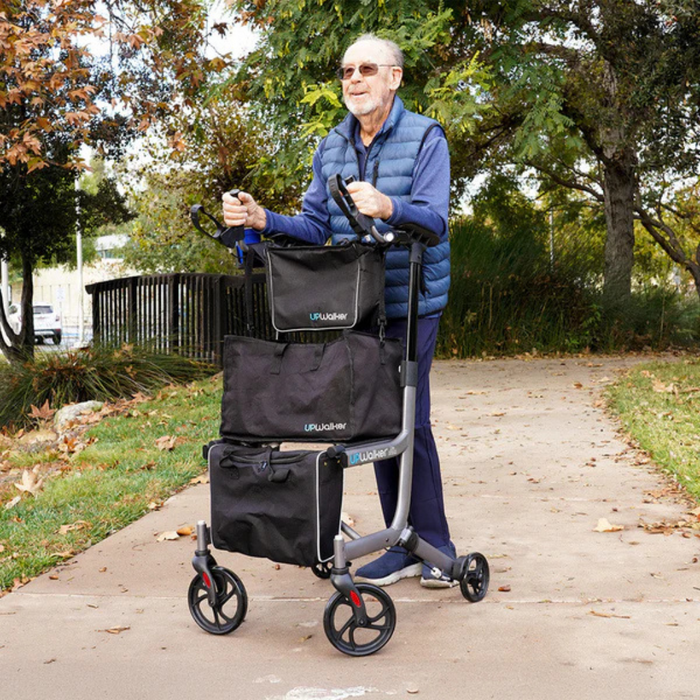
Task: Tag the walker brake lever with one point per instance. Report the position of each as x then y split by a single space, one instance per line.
226 235
361 224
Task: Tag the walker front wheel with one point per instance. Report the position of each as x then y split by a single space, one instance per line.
231 601
346 635
474 581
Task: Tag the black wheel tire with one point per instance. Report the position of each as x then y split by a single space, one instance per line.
57 339
474 580
222 618
346 635
322 569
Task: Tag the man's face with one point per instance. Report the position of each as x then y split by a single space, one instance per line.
367 94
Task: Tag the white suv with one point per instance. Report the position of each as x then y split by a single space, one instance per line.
47 323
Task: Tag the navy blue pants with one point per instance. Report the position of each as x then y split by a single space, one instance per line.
427 512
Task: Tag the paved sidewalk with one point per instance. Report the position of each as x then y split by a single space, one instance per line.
530 465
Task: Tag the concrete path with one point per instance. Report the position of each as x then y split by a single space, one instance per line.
530 465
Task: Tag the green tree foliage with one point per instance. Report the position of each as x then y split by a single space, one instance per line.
219 147
600 96
57 93
290 77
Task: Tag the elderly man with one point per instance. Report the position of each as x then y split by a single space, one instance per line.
401 167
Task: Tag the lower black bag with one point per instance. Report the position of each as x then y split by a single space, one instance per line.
284 506
345 390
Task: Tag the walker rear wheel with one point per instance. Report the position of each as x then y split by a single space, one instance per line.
346 635
474 581
231 602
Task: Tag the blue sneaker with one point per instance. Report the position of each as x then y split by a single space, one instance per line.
391 567
428 578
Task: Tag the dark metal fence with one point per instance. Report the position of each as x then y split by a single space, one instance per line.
185 313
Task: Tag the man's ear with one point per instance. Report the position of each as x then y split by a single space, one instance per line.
396 78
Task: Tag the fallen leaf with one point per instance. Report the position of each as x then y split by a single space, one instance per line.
578 385
201 479
77 525
167 442
605 526
43 413
504 589
53 577
600 614
116 630
185 531
13 502
30 482
168 536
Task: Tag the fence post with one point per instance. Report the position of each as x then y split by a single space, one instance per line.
173 339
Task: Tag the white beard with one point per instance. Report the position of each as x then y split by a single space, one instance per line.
367 107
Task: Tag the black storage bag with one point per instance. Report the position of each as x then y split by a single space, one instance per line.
325 287
345 390
284 506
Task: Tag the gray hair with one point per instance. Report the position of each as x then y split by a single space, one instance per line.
391 47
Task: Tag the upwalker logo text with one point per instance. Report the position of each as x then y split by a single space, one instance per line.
318 316
323 427
373 455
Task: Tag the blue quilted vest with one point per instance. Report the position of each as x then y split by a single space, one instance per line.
389 167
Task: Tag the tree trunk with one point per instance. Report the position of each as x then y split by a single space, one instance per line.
620 187
26 334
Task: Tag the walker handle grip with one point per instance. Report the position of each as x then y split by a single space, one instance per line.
226 235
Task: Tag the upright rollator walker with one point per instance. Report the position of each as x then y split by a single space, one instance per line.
359 618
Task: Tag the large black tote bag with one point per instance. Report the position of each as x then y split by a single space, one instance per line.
284 506
325 287
345 390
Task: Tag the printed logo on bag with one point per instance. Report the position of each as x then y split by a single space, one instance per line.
324 427
335 316
373 455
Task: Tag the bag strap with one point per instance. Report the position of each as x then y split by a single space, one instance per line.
278 476
278 354
249 314
281 348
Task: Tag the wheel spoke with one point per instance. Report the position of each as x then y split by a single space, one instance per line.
346 626
225 598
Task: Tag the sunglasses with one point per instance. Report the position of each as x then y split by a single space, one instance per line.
366 69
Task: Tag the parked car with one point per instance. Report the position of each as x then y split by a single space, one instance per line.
47 323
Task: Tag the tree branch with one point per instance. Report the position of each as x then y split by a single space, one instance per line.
565 182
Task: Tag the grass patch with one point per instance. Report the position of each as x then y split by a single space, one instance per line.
94 373
659 405
115 480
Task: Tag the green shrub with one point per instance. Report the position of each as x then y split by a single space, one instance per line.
95 373
510 294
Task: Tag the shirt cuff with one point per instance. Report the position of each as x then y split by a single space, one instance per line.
396 214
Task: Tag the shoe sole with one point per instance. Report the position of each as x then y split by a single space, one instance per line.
406 572
437 583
